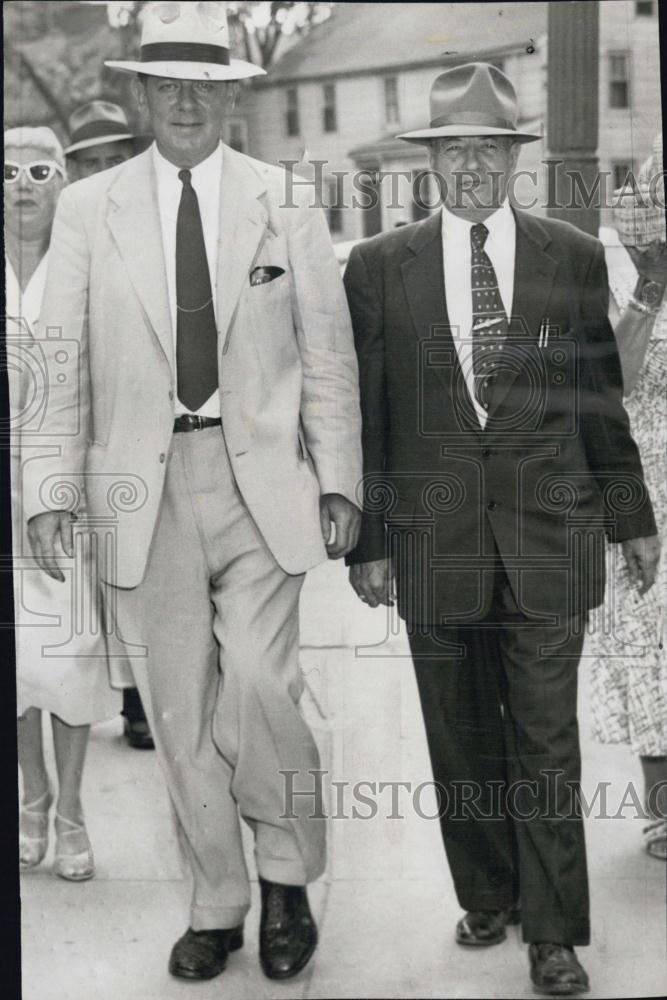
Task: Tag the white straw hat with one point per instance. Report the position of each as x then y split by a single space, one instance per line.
187 41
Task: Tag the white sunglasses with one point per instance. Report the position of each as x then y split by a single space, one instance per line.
39 171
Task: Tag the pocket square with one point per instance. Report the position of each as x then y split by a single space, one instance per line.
261 275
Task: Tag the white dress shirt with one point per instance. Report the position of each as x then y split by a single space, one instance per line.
206 182
501 248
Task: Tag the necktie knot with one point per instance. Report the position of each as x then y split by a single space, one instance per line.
185 176
478 235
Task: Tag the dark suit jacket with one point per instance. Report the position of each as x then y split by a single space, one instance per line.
554 469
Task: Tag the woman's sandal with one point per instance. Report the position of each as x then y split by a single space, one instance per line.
77 867
34 830
655 839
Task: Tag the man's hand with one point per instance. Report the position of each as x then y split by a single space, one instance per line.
43 531
651 262
337 510
641 556
374 583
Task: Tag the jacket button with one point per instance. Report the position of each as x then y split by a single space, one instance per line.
487 453
171 394
491 505
162 457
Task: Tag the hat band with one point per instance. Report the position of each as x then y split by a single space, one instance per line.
185 52
472 118
95 130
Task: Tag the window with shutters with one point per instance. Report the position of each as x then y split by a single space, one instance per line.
292 114
329 120
619 83
391 109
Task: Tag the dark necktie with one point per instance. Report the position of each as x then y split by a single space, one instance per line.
196 333
489 320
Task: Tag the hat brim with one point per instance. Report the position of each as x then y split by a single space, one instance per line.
426 135
98 140
238 69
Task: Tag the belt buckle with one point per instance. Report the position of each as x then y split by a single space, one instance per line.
193 421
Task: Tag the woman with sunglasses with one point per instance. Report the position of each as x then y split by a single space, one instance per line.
61 663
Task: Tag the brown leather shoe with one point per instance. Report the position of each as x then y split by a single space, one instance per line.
555 971
481 928
203 954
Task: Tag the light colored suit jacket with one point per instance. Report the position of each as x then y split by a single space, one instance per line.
287 366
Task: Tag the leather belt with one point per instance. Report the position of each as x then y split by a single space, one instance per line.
191 422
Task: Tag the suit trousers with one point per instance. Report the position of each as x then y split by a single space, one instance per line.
221 683
499 699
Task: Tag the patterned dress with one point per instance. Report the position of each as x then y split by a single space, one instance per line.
629 669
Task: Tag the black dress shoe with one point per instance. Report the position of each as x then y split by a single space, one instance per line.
203 954
481 928
287 931
138 734
555 971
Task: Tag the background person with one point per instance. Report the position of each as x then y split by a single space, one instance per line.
629 672
74 688
100 138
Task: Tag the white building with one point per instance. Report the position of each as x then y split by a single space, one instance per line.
344 92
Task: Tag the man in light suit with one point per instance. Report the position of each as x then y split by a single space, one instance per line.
218 381
497 453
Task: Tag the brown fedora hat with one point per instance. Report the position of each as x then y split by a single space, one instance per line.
474 99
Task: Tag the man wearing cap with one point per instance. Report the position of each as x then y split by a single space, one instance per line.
100 138
220 427
497 453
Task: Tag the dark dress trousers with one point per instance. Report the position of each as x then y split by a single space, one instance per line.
497 537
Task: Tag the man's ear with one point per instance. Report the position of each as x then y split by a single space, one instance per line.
231 94
138 89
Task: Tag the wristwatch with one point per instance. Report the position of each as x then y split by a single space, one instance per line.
649 293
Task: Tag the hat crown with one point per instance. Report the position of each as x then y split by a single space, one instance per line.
97 111
474 94
204 22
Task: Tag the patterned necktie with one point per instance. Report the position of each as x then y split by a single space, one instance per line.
196 333
489 319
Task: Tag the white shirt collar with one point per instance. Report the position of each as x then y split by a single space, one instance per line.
208 171
499 223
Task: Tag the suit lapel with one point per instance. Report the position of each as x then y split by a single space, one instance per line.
134 220
534 272
424 284
243 227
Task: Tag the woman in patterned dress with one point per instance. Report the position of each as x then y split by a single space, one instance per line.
629 675
61 664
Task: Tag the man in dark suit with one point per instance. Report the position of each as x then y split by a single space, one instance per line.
497 454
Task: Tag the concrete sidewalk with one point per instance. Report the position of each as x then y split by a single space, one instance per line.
385 906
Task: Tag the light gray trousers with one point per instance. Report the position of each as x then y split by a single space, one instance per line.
221 684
